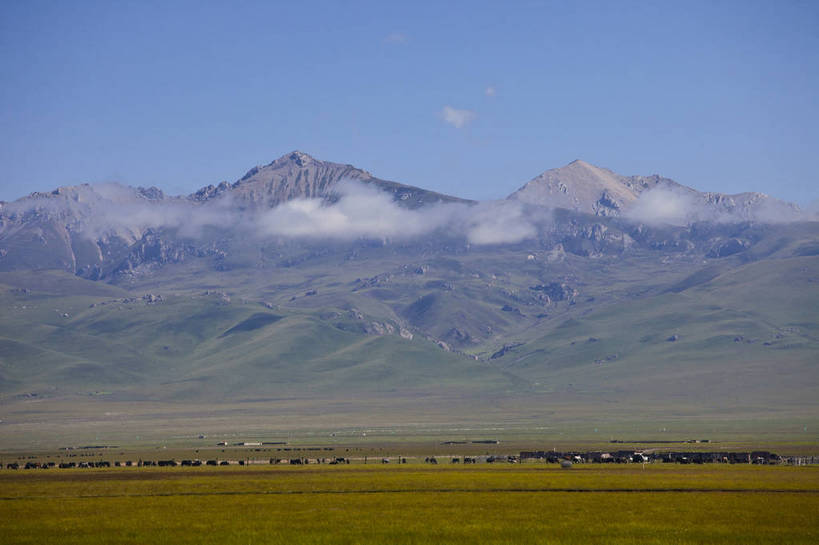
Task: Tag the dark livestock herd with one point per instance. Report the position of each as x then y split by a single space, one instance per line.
631 456
168 463
564 458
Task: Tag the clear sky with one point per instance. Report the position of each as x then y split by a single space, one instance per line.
471 98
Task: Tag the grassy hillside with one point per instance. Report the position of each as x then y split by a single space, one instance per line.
405 331
200 347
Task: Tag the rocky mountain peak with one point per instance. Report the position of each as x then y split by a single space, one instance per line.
299 158
583 187
295 175
298 175
579 163
578 186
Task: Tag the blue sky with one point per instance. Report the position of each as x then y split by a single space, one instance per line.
720 96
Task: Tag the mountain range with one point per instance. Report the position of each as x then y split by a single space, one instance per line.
316 285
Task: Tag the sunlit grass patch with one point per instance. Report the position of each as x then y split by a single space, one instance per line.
414 504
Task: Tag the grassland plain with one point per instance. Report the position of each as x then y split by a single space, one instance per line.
528 503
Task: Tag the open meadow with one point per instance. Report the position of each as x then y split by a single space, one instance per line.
413 503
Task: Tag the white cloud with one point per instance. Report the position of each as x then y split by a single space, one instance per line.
113 209
396 38
358 211
500 222
491 91
457 118
362 211
674 206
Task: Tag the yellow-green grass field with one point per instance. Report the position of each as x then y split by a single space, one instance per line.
528 503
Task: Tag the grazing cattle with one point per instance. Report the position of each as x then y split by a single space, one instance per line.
455 461
212 463
764 457
385 460
224 463
431 460
67 465
167 463
469 460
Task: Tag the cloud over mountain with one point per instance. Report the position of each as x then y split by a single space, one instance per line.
361 211
669 205
352 210
679 205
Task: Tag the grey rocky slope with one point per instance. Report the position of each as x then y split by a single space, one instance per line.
297 175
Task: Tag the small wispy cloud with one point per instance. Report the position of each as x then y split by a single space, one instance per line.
491 91
396 38
457 118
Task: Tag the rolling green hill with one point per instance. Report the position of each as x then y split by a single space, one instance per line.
408 335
